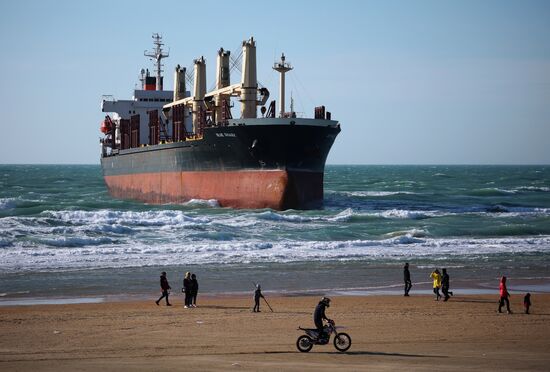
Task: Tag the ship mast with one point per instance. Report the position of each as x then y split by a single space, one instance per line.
158 55
282 67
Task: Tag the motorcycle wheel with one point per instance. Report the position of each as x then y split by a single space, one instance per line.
304 343
342 342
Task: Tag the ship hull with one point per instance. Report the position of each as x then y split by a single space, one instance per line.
276 189
264 166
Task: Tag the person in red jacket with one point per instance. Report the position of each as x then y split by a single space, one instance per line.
164 287
504 296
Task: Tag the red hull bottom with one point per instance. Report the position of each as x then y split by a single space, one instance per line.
276 189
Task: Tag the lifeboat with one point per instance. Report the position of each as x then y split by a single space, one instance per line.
106 125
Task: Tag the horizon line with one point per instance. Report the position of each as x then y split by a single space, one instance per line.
346 164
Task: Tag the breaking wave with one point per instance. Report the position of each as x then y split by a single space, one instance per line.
197 203
7 203
377 193
138 255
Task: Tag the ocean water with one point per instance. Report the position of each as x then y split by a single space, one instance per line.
61 235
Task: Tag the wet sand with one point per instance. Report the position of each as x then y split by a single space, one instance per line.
388 333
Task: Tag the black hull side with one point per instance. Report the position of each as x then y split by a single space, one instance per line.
291 147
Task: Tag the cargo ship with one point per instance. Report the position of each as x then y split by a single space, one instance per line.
175 146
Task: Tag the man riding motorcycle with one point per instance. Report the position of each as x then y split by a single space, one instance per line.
319 316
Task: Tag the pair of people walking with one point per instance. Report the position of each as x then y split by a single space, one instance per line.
191 289
505 298
441 281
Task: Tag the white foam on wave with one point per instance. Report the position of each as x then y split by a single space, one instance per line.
343 216
414 233
516 190
274 216
238 221
235 252
403 213
519 212
7 203
370 193
210 203
127 218
534 188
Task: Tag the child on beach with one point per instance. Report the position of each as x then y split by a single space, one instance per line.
527 302
164 287
504 296
257 295
436 276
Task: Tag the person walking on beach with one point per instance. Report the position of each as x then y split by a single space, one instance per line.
504 296
257 295
165 288
194 290
436 276
445 285
407 278
527 302
187 289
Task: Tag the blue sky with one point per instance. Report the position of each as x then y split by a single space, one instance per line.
412 82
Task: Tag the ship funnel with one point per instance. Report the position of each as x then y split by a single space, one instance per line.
179 83
282 67
199 90
249 82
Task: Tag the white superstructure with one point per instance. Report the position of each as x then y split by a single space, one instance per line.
150 97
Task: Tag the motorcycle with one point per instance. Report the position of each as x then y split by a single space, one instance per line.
342 341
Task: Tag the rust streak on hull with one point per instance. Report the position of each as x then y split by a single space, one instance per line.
275 189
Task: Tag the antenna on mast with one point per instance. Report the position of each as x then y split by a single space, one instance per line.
157 54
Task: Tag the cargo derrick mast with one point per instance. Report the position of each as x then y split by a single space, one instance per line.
217 101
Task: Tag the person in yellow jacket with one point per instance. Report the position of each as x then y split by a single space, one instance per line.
436 276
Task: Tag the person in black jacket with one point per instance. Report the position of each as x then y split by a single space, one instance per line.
257 295
527 302
194 290
445 285
407 278
165 288
319 315
187 289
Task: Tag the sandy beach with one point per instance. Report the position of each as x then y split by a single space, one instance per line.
388 332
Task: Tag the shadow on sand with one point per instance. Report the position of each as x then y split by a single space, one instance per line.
267 311
219 307
374 353
474 300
